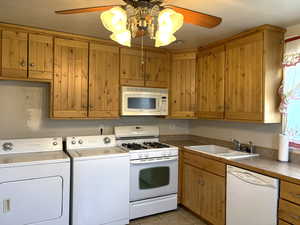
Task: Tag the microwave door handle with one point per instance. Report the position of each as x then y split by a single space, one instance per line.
138 162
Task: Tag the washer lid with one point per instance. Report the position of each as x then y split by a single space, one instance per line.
98 152
33 158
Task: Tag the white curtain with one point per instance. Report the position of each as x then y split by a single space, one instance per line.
290 92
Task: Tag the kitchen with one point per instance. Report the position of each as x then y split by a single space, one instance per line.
207 102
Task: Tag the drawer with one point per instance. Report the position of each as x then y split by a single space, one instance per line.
290 192
289 212
281 222
208 165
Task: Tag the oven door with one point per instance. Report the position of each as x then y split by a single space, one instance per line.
153 178
141 104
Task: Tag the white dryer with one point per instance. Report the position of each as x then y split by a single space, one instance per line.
100 181
34 182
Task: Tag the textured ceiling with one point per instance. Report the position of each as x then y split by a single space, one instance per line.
237 15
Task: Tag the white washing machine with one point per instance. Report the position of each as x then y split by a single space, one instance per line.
100 181
34 182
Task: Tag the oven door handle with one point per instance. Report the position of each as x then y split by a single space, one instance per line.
140 161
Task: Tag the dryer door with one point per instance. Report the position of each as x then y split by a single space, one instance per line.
31 201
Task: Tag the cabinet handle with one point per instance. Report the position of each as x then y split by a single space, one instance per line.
201 182
32 64
6 205
22 63
295 195
295 217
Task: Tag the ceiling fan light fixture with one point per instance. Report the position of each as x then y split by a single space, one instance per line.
123 37
115 19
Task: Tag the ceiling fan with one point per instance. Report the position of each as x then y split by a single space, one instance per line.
137 18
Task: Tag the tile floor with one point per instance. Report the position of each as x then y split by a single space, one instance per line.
178 217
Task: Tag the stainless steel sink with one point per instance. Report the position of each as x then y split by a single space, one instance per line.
220 151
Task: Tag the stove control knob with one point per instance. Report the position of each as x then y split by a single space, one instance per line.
73 142
7 146
106 140
80 142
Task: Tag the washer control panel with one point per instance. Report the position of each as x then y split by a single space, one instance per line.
88 142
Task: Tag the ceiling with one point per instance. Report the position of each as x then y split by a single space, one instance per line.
238 15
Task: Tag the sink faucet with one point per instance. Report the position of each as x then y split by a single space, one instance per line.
237 145
251 147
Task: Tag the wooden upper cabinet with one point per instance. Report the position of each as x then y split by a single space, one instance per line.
183 85
244 78
70 88
40 58
14 54
131 67
211 70
253 76
103 81
157 69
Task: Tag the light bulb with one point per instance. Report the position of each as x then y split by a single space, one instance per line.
169 21
123 37
163 38
115 19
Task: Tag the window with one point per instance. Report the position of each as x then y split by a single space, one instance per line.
290 92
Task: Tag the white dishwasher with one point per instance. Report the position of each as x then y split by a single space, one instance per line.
252 198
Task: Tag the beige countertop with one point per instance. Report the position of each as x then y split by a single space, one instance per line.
282 170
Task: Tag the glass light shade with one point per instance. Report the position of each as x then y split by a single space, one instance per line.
115 19
123 37
169 21
163 38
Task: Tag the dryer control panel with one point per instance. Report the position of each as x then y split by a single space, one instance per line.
30 145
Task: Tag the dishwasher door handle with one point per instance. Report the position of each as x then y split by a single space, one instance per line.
251 179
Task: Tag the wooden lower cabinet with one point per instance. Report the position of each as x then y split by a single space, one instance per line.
204 194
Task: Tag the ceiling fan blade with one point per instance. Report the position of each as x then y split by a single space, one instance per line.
85 10
196 18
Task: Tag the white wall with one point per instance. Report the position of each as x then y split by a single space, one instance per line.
24 113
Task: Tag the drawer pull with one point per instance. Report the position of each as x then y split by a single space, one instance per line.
295 195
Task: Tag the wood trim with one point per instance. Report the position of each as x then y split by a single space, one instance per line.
243 34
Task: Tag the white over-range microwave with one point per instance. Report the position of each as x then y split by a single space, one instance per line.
138 101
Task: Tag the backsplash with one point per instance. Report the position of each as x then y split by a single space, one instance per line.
25 108
265 135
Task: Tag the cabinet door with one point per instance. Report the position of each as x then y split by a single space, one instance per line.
244 78
212 198
157 69
14 54
211 68
183 86
191 188
103 81
40 57
70 88
131 67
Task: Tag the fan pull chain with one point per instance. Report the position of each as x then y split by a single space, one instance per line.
142 49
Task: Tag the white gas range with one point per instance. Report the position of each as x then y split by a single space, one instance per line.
153 170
